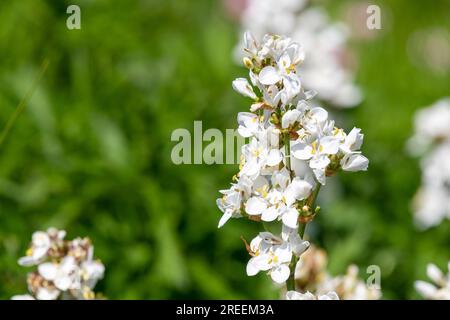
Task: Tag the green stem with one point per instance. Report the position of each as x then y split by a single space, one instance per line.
23 102
287 147
290 283
301 229
314 195
311 201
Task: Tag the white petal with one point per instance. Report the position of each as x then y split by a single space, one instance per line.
290 218
225 217
280 274
22 297
251 268
329 296
255 206
298 189
40 252
354 162
319 114
27 261
289 118
261 262
48 270
274 157
320 175
269 76
435 274
63 282
427 290
302 151
270 214
250 42
242 86
329 145
68 264
294 295
47 294
319 162
93 269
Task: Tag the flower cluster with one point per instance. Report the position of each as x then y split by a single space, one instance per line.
293 147
65 269
325 45
440 290
432 138
312 277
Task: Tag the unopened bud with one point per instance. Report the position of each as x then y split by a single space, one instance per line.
248 63
274 119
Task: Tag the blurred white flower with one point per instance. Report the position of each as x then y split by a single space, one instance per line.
40 245
65 269
324 43
294 295
439 289
64 275
312 276
431 203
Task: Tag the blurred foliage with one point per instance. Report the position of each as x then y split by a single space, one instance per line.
91 153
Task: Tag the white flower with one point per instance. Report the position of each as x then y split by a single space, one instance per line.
440 290
273 254
40 244
91 271
248 124
349 286
353 141
64 275
39 247
242 86
290 117
258 154
354 162
272 258
65 269
269 76
279 200
230 203
317 154
47 293
432 122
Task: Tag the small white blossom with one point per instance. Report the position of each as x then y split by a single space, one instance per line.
242 86
439 289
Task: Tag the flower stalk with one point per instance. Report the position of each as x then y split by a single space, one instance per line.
275 186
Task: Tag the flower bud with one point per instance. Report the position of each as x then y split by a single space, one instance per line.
248 63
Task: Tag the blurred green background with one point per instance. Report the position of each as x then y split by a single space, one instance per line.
91 152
